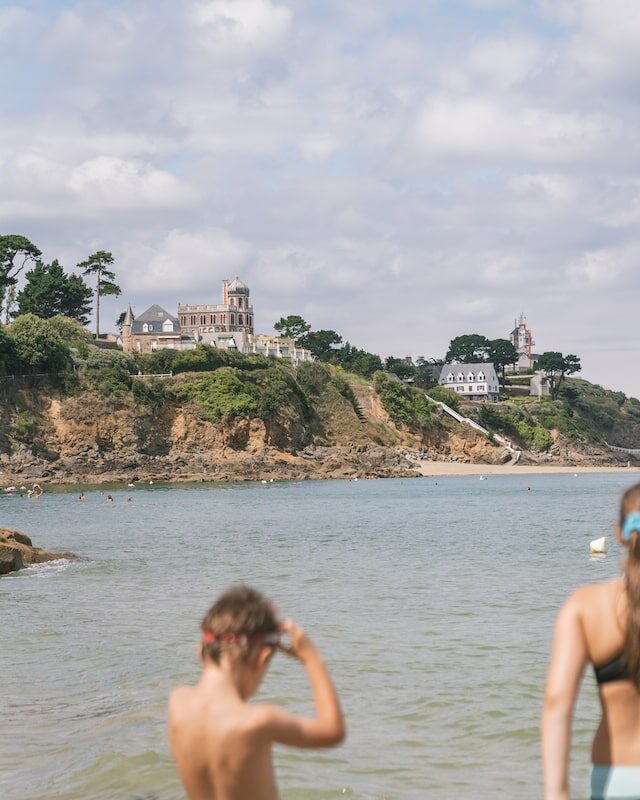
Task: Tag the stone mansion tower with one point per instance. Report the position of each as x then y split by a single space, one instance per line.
235 313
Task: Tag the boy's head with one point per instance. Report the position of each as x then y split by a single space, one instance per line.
243 625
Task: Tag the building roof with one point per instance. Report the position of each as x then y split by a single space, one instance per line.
455 369
128 317
238 287
154 318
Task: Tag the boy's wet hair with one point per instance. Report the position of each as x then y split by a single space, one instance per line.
240 612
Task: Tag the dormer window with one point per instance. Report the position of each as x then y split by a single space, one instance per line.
481 376
145 327
460 377
167 326
450 378
470 377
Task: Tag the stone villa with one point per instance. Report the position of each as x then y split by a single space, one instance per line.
228 325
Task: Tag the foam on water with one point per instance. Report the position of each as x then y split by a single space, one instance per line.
433 603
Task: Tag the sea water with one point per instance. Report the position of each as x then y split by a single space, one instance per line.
432 600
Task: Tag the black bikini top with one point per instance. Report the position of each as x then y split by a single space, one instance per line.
613 670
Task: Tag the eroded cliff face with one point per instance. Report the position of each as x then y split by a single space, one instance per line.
90 438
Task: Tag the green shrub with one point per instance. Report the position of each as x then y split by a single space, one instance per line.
406 406
111 382
93 357
221 395
445 396
151 392
24 426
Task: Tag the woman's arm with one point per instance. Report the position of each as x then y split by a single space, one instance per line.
569 657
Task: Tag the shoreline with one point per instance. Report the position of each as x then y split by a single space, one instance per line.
441 468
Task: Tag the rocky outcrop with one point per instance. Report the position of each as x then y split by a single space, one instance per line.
17 551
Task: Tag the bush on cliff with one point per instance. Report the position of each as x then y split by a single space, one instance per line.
24 426
39 347
203 358
406 406
219 395
445 396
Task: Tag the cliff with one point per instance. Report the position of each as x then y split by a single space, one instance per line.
262 420
227 424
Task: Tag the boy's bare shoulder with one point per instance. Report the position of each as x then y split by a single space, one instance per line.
179 698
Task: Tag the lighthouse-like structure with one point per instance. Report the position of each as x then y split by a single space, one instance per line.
235 313
522 339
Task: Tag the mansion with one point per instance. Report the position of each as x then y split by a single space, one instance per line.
474 381
227 325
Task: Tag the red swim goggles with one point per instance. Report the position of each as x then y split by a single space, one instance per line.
209 637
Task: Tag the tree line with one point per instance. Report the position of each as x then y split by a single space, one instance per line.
49 291
326 345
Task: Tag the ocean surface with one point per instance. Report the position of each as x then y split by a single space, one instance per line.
432 600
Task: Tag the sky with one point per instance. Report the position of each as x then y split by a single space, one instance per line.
401 172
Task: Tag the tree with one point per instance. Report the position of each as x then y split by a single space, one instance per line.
400 367
556 367
38 345
468 349
50 292
321 343
292 327
8 357
120 321
98 265
15 253
501 353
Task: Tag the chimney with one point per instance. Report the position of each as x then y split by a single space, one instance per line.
225 292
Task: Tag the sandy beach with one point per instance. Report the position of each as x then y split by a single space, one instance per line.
434 468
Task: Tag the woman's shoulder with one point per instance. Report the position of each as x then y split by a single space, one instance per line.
585 596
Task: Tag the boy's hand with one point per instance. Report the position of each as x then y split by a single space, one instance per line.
301 646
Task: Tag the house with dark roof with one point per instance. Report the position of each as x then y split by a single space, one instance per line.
154 329
477 382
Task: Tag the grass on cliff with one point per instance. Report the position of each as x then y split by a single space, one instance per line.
407 407
585 412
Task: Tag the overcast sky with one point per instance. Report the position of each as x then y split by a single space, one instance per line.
401 171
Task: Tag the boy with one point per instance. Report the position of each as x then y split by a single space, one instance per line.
221 743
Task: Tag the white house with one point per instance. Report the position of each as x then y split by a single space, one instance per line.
473 381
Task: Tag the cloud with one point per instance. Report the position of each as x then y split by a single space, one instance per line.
231 25
402 175
114 183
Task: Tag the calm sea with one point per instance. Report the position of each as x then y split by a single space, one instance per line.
432 601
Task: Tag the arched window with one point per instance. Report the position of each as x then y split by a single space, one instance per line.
240 319
233 319
145 327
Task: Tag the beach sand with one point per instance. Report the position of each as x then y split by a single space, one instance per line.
429 468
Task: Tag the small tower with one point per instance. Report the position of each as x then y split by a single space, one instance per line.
127 343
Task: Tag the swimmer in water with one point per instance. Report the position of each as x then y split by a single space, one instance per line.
109 499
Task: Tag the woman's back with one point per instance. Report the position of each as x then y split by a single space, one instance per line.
602 609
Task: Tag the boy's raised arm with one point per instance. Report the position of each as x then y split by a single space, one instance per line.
327 728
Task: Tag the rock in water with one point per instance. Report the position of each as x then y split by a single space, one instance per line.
17 551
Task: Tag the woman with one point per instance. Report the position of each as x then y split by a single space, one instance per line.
599 624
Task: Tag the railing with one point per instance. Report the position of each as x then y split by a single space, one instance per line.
634 451
143 376
473 424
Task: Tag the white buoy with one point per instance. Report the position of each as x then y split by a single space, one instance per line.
482 477
262 481
598 545
131 484
150 483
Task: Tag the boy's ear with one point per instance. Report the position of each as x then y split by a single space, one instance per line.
264 656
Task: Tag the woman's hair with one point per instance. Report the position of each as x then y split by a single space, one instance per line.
630 503
239 613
